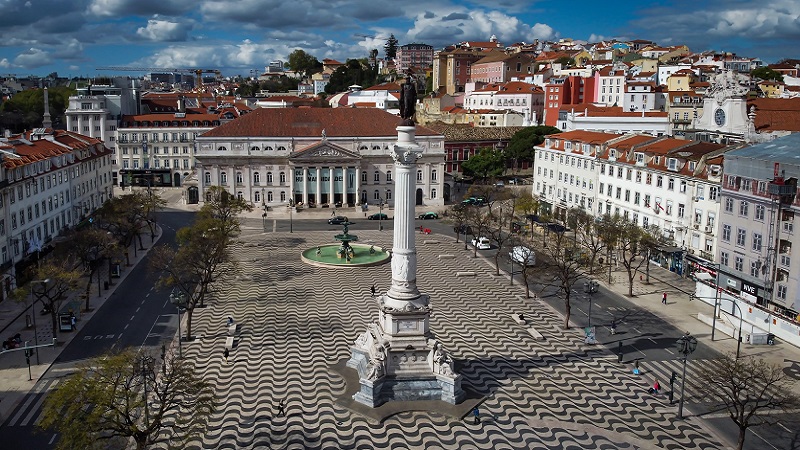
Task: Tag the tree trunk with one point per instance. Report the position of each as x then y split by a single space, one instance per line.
567 310
740 442
647 268
631 276
53 318
497 264
189 312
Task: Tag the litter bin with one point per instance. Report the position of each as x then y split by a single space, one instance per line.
28 322
105 285
771 339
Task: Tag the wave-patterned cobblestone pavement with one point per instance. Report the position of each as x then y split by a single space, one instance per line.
297 320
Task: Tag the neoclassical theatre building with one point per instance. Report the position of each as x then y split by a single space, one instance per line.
316 157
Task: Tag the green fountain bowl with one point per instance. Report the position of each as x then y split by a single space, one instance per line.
329 256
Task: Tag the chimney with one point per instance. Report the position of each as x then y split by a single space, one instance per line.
46 123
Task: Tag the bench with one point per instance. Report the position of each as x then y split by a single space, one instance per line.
231 329
229 342
536 335
519 318
465 274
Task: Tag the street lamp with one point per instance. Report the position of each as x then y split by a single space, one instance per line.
380 215
291 206
590 287
33 313
179 300
686 345
264 206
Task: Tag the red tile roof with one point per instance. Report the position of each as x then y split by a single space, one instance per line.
306 122
589 137
776 114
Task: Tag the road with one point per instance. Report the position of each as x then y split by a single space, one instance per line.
136 315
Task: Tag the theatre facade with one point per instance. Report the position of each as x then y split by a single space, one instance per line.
315 157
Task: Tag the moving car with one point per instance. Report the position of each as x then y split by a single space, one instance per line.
474 201
522 255
337 220
378 216
482 243
428 215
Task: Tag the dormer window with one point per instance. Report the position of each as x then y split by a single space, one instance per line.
567 145
672 164
658 160
692 165
612 153
587 149
639 157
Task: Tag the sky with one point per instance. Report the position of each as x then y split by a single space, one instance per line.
241 37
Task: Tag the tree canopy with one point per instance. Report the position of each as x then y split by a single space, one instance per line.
302 62
390 48
25 109
520 148
354 71
765 73
487 163
120 396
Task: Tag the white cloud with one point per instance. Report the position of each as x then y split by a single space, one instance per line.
32 58
146 8
543 31
164 31
5 63
451 25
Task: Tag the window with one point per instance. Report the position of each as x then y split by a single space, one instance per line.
741 237
743 208
376 195
659 181
670 184
648 179
638 176
281 177
364 176
726 232
223 178
619 193
433 176
739 263
433 193
782 290
388 195
256 178
388 176
269 178
627 195
419 175
376 177
619 172
729 205
754 266
637 198
760 212
239 177
757 240
698 216
723 258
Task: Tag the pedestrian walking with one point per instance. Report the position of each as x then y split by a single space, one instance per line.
656 387
476 413
73 322
664 298
282 407
613 326
373 289
230 320
226 353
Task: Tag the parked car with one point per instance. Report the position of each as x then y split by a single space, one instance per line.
474 201
522 255
482 243
429 215
378 216
337 220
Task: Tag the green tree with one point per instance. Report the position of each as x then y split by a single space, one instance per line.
765 73
354 71
92 246
121 396
632 244
56 278
487 163
302 62
25 109
565 61
520 148
750 389
390 48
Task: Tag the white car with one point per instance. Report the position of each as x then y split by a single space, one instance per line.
482 243
522 255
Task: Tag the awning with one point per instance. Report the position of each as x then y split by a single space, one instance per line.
670 249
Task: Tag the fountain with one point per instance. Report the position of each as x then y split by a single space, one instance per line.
345 254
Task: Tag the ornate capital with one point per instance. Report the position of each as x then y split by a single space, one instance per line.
406 156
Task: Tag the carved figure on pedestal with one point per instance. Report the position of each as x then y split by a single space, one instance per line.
408 101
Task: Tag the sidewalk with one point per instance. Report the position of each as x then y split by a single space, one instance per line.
14 383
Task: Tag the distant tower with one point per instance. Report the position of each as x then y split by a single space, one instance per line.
46 122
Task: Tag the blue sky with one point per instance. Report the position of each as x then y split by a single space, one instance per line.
74 37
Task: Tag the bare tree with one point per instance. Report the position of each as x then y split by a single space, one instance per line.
588 235
750 389
92 246
121 396
457 215
561 260
479 222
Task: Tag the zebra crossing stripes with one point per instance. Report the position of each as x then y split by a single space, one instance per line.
29 411
693 390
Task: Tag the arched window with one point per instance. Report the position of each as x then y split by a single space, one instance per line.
254 148
268 148
433 193
269 177
377 176
222 148
257 196
388 176
419 175
283 196
256 178
376 195
282 177
239 195
208 177
281 148
364 176
388 194
363 147
223 177
376 147
269 196
433 175
239 178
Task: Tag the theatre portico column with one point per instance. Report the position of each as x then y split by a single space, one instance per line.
305 186
291 184
358 184
331 171
318 194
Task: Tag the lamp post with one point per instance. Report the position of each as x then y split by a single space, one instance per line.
686 345
264 207
33 313
380 215
291 206
179 300
590 287
716 303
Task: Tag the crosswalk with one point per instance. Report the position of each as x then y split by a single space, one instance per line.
693 391
29 412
